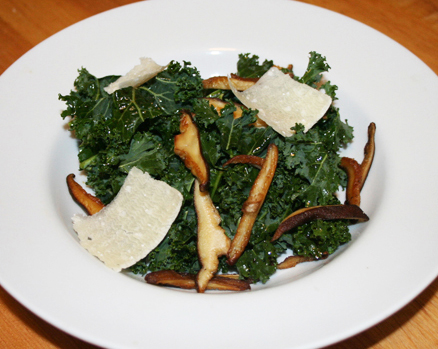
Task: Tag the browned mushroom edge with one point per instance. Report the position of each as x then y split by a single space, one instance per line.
253 160
253 204
293 261
358 173
187 145
222 82
186 281
241 84
354 174
90 203
369 151
329 212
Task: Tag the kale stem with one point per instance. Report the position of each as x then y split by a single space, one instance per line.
229 136
98 90
134 102
313 180
286 213
216 184
157 96
319 169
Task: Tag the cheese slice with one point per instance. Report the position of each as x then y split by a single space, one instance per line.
146 70
283 102
133 224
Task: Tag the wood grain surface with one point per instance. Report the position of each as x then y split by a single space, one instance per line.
412 23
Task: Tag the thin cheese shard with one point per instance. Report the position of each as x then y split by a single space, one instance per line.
146 70
283 102
133 224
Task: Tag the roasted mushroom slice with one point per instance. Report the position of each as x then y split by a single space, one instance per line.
253 204
187 145
354 173
256 161
357 173
219 104
89 202
292 261
241 84
222 83
171 278
329 212
212 241
369 151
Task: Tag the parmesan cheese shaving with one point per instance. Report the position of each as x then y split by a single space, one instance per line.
133 224
283 102
146 70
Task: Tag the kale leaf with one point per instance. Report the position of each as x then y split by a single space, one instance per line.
248 66
146 153
317 65
131 127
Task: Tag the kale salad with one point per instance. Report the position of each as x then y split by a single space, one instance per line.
137 126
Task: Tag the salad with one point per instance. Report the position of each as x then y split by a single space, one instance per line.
137 127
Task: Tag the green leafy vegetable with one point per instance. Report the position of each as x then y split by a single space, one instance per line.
147 153
248 66
317 65
113 129
136 127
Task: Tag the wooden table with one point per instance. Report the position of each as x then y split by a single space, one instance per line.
413 23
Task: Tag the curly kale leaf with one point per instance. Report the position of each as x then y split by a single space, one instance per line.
175 88
223 136
237 135
105 179
111 128
317 65
330 90
258 263
312 158
317 238
146 153
248 66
